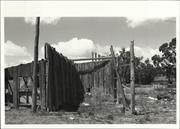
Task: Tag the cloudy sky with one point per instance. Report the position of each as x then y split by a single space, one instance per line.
78 36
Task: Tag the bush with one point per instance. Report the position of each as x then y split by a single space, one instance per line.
99 97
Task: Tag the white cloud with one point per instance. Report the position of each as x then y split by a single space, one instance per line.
105 50
12 49
25 61
141 13
16 54
102 50
18 61
145 52
43 20
138 21
74 48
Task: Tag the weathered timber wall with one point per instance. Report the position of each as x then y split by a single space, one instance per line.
15 74
97 74
64 87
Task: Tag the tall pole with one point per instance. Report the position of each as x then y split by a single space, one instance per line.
132 77
35 68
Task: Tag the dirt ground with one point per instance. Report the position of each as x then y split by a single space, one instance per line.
99 108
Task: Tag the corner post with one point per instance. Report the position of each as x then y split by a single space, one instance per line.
35 68
132 77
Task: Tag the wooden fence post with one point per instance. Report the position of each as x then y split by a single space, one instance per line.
92 56
95 56
35 68
16 87
46 50
92 74
132 77
99 57
42 84
119 85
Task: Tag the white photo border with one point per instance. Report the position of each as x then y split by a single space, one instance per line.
78 9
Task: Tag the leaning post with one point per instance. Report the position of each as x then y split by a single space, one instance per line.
119 83
132 77
35 68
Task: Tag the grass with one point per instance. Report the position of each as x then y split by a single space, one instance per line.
102 110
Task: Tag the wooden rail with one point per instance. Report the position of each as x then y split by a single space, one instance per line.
126 87
99 58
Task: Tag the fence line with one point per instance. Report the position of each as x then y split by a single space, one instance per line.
63 83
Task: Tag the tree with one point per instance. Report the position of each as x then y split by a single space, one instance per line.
166 63
144 71
124 58
148 72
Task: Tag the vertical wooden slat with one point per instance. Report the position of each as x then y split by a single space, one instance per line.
86 79
95 75
15 89
52 79
108 79
83 76
64 81
67 81
43 85
92 75
115 84
60 90
77 83
78 89
103 78
40 81
89 77
47 74
70 83
73 83
57 78
111 79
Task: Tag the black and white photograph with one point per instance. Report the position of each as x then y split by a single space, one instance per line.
90 64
